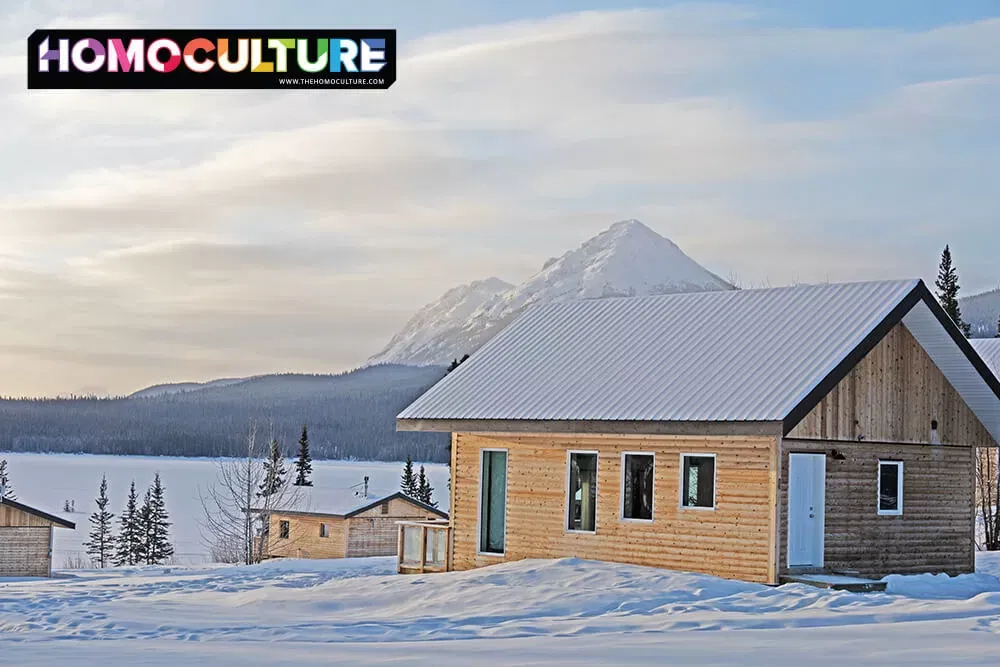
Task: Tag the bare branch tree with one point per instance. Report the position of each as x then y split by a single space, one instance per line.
236 519
988 499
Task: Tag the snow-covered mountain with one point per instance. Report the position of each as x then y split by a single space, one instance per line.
628 259
982 312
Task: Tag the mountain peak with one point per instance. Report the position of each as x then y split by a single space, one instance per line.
627 259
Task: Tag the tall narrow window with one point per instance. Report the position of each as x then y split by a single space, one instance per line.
890 488
493 502
698 481
324 530
283 529
582 492
637 486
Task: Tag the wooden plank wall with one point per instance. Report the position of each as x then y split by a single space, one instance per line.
935 532
372 533
303 537
11 516
734 541
893 394
24 551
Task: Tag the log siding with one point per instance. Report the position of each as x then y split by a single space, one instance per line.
733 540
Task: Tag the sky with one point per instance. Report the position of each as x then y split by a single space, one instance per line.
164 236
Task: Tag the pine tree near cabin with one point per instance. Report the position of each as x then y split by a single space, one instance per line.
425 492
408 481
6 490
948 288
129 540
303 464
455 363
100 543
156 547
274 472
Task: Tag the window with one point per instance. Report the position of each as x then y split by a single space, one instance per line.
385 508
637 487
283 530
493 501
890 488
582 514
698 481
324 530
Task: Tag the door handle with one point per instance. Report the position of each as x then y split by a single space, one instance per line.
812 516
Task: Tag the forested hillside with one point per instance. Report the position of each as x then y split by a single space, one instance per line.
349 416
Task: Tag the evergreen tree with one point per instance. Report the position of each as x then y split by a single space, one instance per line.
6 490
129 541
425 492
948 288
274 472
101 543
408 483
455 363
156 547
303 464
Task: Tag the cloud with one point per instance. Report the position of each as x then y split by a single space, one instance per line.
231 233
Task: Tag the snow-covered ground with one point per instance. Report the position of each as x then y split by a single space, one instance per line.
564 612
46 481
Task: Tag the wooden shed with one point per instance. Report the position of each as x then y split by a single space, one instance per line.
351 529
26 539
751 434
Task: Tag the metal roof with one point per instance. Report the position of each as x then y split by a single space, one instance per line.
746 356
989 350
55 520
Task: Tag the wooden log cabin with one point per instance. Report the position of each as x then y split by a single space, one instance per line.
752 434
26 539
334 527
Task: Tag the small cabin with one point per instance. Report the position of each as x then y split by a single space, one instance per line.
26 539
328 527
750 434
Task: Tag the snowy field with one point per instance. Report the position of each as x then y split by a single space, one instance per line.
46 481
565 612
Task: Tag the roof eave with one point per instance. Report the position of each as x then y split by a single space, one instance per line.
595 426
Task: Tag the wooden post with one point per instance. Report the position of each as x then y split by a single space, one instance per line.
399 548
423 548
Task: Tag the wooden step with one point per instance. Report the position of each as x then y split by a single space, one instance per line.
836 582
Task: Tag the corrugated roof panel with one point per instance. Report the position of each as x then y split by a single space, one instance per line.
989 350
748 355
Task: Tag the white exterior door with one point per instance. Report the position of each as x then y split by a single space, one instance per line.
806 509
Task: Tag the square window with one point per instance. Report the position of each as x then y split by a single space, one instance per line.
890 488
283 529
582 500
698 481
637 487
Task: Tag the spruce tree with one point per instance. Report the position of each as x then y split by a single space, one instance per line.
129 541
155 526
948 288
425 492
455 363
6 490
408 483
100 544
274 472
303 464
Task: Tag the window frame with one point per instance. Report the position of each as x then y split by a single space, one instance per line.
284 529
899 488
479 502
621 504
384 509
597 477
324 530
715 482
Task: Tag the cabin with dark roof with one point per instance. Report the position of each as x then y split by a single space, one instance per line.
752 434
26 539
322 525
